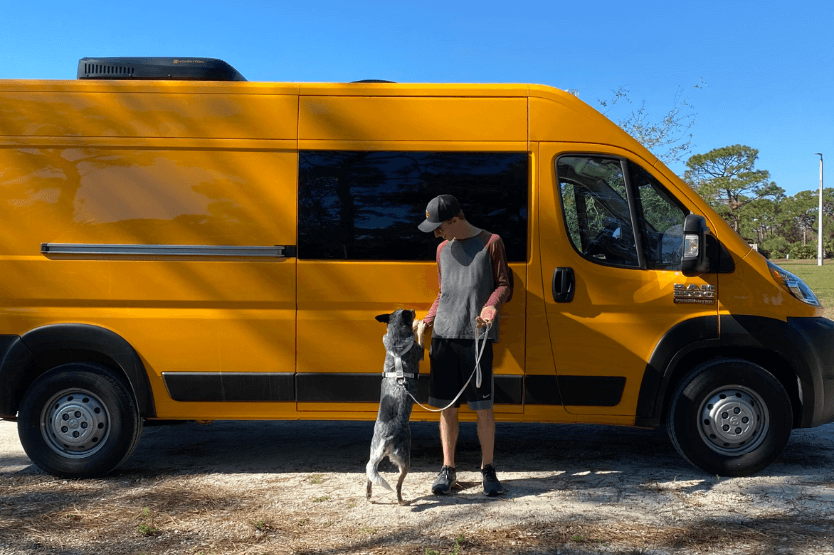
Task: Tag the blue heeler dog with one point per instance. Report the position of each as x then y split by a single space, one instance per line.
392 434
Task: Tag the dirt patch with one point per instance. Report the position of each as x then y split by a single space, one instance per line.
298 487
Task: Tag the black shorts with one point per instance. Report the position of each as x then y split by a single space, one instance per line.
452 362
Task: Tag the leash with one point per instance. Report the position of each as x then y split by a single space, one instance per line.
476 372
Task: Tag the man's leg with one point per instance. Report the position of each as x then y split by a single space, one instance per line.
449 435
486 435
447 478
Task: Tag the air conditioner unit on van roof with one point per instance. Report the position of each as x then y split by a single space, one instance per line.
176 69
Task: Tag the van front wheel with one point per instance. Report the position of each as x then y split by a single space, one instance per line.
730 417
78 421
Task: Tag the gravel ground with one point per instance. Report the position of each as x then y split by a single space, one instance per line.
298 487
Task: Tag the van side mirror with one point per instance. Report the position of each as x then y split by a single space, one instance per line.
694 260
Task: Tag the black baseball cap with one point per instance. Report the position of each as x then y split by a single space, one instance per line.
440 209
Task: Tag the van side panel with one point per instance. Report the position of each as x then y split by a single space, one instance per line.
184 313
356 274
337 300
604 336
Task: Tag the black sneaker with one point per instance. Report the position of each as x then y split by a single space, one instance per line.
445 480
492 486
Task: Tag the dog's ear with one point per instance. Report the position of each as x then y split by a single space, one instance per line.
383 318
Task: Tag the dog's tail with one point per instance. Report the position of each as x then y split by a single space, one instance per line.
374 477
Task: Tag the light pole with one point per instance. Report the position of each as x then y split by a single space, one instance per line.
819 245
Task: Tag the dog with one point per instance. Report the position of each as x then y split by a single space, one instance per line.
392 433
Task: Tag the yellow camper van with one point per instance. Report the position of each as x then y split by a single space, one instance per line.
180 244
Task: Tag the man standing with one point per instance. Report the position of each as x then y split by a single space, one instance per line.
474 282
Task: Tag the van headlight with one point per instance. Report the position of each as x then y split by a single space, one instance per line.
794 285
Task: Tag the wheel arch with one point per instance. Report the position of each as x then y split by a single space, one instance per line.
37 351
762 341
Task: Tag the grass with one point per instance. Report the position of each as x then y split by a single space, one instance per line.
146 527
819 278
459 543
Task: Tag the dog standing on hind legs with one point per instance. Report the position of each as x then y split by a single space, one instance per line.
392 433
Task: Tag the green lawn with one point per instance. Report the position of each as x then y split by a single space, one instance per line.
819 279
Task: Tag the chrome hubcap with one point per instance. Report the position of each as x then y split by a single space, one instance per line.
75 423
734 420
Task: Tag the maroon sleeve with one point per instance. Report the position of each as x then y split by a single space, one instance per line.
500 271
429 318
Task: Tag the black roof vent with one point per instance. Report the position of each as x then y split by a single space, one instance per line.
373 81
174 69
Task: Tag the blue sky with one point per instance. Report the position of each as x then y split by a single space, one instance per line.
766 68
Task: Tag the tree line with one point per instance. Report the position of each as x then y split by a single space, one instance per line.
757 208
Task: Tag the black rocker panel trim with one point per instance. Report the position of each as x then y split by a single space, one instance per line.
230 386
364 388
56 339
541 390
591 391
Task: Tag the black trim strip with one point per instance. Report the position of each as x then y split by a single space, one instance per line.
591 391
541 390
230 386
83 249
340 387
575 391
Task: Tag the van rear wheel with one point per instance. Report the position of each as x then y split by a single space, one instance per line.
730 417
78 421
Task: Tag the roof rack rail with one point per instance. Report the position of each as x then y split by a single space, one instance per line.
172 69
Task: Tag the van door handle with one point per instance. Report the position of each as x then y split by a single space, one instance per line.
564 284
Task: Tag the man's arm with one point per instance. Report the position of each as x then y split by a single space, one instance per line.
430 315
501 274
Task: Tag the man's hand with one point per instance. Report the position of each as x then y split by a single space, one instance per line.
487 316
419 328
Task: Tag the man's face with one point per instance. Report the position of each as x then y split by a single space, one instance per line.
444 230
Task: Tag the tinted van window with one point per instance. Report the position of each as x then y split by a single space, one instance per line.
366 205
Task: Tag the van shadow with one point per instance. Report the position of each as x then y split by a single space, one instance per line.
338 446
559 455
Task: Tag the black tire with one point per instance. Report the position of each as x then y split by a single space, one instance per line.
730 417
78 420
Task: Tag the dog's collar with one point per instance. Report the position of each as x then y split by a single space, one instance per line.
398 362
400 376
